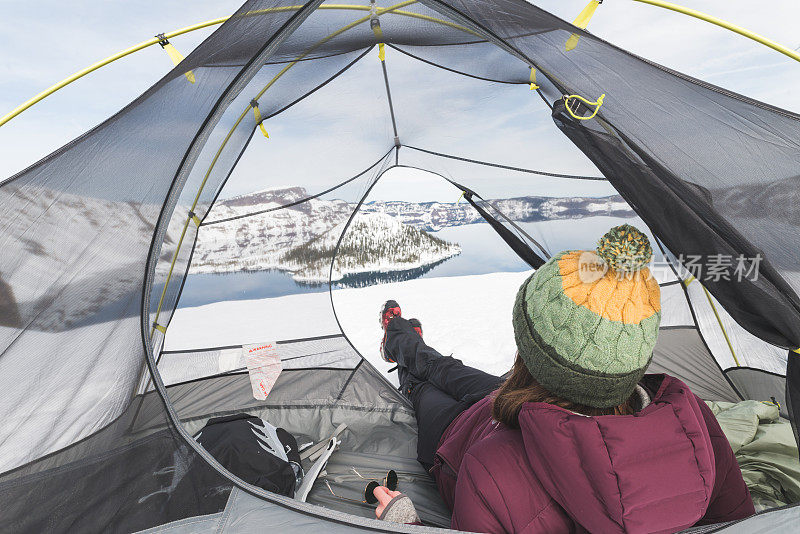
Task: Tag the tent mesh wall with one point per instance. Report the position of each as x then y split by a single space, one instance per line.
98 236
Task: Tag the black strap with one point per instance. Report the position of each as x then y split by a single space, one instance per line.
512 240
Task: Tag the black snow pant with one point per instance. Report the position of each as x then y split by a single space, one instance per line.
439 387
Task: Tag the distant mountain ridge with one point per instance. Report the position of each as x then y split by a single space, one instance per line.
433 216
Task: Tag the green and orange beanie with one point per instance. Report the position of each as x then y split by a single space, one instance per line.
586 322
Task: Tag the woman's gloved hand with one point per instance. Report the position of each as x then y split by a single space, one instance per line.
394 506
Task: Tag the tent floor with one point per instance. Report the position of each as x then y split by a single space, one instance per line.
375 440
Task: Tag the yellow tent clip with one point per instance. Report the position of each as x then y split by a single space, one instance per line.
572 42
160 328
533 79
463 193
376 28
259 120
581 21
195 219
173 54
596 104
583 18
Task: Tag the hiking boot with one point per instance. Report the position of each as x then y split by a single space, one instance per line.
390 310
416 325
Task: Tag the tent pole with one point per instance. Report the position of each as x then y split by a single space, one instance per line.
724 24
155 40
102 63
391 9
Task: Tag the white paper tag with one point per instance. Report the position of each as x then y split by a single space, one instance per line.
263 366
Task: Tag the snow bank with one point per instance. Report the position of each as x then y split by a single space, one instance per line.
466 316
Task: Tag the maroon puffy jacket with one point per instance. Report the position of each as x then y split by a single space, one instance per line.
663 469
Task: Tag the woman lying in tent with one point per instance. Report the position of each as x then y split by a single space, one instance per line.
577 437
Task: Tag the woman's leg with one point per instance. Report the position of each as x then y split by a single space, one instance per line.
446 373
435 410
439 387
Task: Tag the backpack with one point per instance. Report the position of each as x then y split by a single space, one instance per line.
255 451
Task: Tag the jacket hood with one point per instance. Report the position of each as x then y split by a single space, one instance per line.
648 472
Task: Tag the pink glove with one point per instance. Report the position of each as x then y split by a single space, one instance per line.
394 506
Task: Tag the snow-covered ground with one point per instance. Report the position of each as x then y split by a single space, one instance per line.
466 316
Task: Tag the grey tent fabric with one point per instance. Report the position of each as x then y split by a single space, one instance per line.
778 520
311 405
77 229
637 119
680 352
245 513
758 384
97 237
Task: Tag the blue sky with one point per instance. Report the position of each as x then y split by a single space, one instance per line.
43 42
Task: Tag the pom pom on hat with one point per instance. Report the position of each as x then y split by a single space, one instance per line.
625 248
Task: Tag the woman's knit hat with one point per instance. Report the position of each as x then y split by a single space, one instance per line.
586 322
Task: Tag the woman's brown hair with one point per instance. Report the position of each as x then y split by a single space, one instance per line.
520 387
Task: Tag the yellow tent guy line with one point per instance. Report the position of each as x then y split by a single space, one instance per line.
155 40
376 29
110 59
169 277
583 18
533 79
93 67
241 117
281 73
724 24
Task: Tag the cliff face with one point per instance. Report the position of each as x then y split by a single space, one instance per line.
259 242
